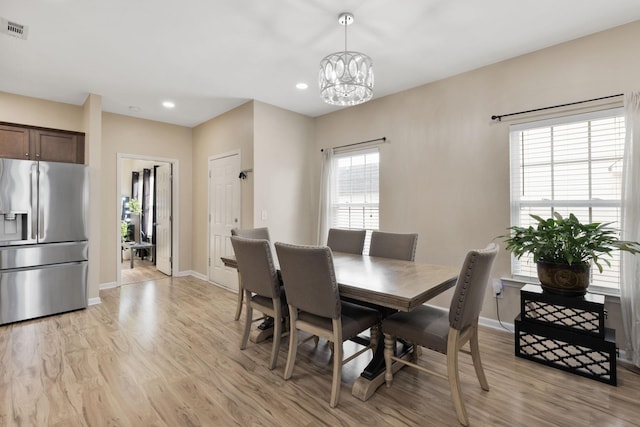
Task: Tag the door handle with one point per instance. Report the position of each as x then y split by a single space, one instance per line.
34 200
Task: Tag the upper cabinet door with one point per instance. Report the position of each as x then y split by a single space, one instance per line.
14 142
53 146
30 143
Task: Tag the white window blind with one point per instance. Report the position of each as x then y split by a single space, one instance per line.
569 165
355 191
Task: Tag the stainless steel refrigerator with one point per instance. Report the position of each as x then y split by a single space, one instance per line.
43 238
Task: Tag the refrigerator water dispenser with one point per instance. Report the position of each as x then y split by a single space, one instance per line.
13 227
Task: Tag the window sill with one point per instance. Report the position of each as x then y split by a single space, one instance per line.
612 295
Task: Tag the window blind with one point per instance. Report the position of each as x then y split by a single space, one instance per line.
355 191
569 165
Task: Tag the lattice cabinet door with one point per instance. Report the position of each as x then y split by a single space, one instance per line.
567 333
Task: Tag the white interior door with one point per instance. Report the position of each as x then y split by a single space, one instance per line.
163 218
224 214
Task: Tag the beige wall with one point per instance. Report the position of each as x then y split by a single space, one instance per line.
130 136
38 112
92 120
283 153
228 132
445 170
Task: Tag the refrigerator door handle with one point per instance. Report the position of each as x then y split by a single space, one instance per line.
41 223
34 200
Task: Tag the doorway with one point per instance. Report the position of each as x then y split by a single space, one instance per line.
145 221
224 214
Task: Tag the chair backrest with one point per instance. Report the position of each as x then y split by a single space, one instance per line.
349 241
256 267
472 282
309 279
251 233
393 245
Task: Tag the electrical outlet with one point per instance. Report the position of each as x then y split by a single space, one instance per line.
498 289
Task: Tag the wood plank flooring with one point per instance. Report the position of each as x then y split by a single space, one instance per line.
166 353
142 270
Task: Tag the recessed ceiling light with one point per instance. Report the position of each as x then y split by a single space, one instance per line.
168 104
302 86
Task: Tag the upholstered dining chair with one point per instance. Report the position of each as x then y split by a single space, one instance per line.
261 287
247 233
315 307
348 241
446 331
393 245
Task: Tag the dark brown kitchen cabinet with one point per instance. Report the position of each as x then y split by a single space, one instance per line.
14 142
24 142
56 146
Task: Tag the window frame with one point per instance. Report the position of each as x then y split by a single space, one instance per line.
516 166
335 204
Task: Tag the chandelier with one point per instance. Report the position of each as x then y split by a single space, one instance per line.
346 78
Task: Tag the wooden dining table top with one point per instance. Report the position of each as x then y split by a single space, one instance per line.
398 284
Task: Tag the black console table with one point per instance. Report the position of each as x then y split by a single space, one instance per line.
567 333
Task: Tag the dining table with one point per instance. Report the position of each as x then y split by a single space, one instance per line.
391 284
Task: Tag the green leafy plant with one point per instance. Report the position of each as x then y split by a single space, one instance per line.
559 240
135 206
124 229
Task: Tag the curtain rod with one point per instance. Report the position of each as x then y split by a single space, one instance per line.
499 117
383 139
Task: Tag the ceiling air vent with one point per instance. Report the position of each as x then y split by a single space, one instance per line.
13 29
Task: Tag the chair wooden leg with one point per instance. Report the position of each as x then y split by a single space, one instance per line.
293 343
454 378
337 363
389 350
247 324
477 363
277 333
240 295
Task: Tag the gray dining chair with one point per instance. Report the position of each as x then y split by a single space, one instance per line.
446 331
261 287
247 233
315 307
393 245
345 240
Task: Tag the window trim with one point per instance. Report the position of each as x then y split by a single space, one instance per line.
347 153
516 204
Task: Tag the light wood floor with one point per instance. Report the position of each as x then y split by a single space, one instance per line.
165 353
142 270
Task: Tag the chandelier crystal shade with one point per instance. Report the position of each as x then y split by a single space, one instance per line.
346 78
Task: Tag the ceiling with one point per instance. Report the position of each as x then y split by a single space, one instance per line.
209 56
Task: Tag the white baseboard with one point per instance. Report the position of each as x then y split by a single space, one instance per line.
495 324
94 301
192 273
109 285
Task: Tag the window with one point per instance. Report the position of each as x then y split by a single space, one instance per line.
569 165
355 192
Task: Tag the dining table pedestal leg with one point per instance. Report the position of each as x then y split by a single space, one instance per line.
368 382
260 335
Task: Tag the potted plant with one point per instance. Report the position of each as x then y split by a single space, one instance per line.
134 206
124 229
564 249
